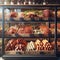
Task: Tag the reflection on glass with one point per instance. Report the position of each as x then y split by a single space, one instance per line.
1 1
7 14
0 13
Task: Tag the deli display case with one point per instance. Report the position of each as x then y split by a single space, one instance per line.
30 30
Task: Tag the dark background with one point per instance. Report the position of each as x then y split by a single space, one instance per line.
40 1
49 1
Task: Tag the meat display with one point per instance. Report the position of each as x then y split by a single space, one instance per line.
58 13
58 44
30 46
16 44
23 45
33 15
52 29
13 14
12 30
44 29
46 14
26 30
19 30
43 45
21 15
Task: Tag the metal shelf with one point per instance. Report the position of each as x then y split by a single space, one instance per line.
30 36
29 6
17 55
29 21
